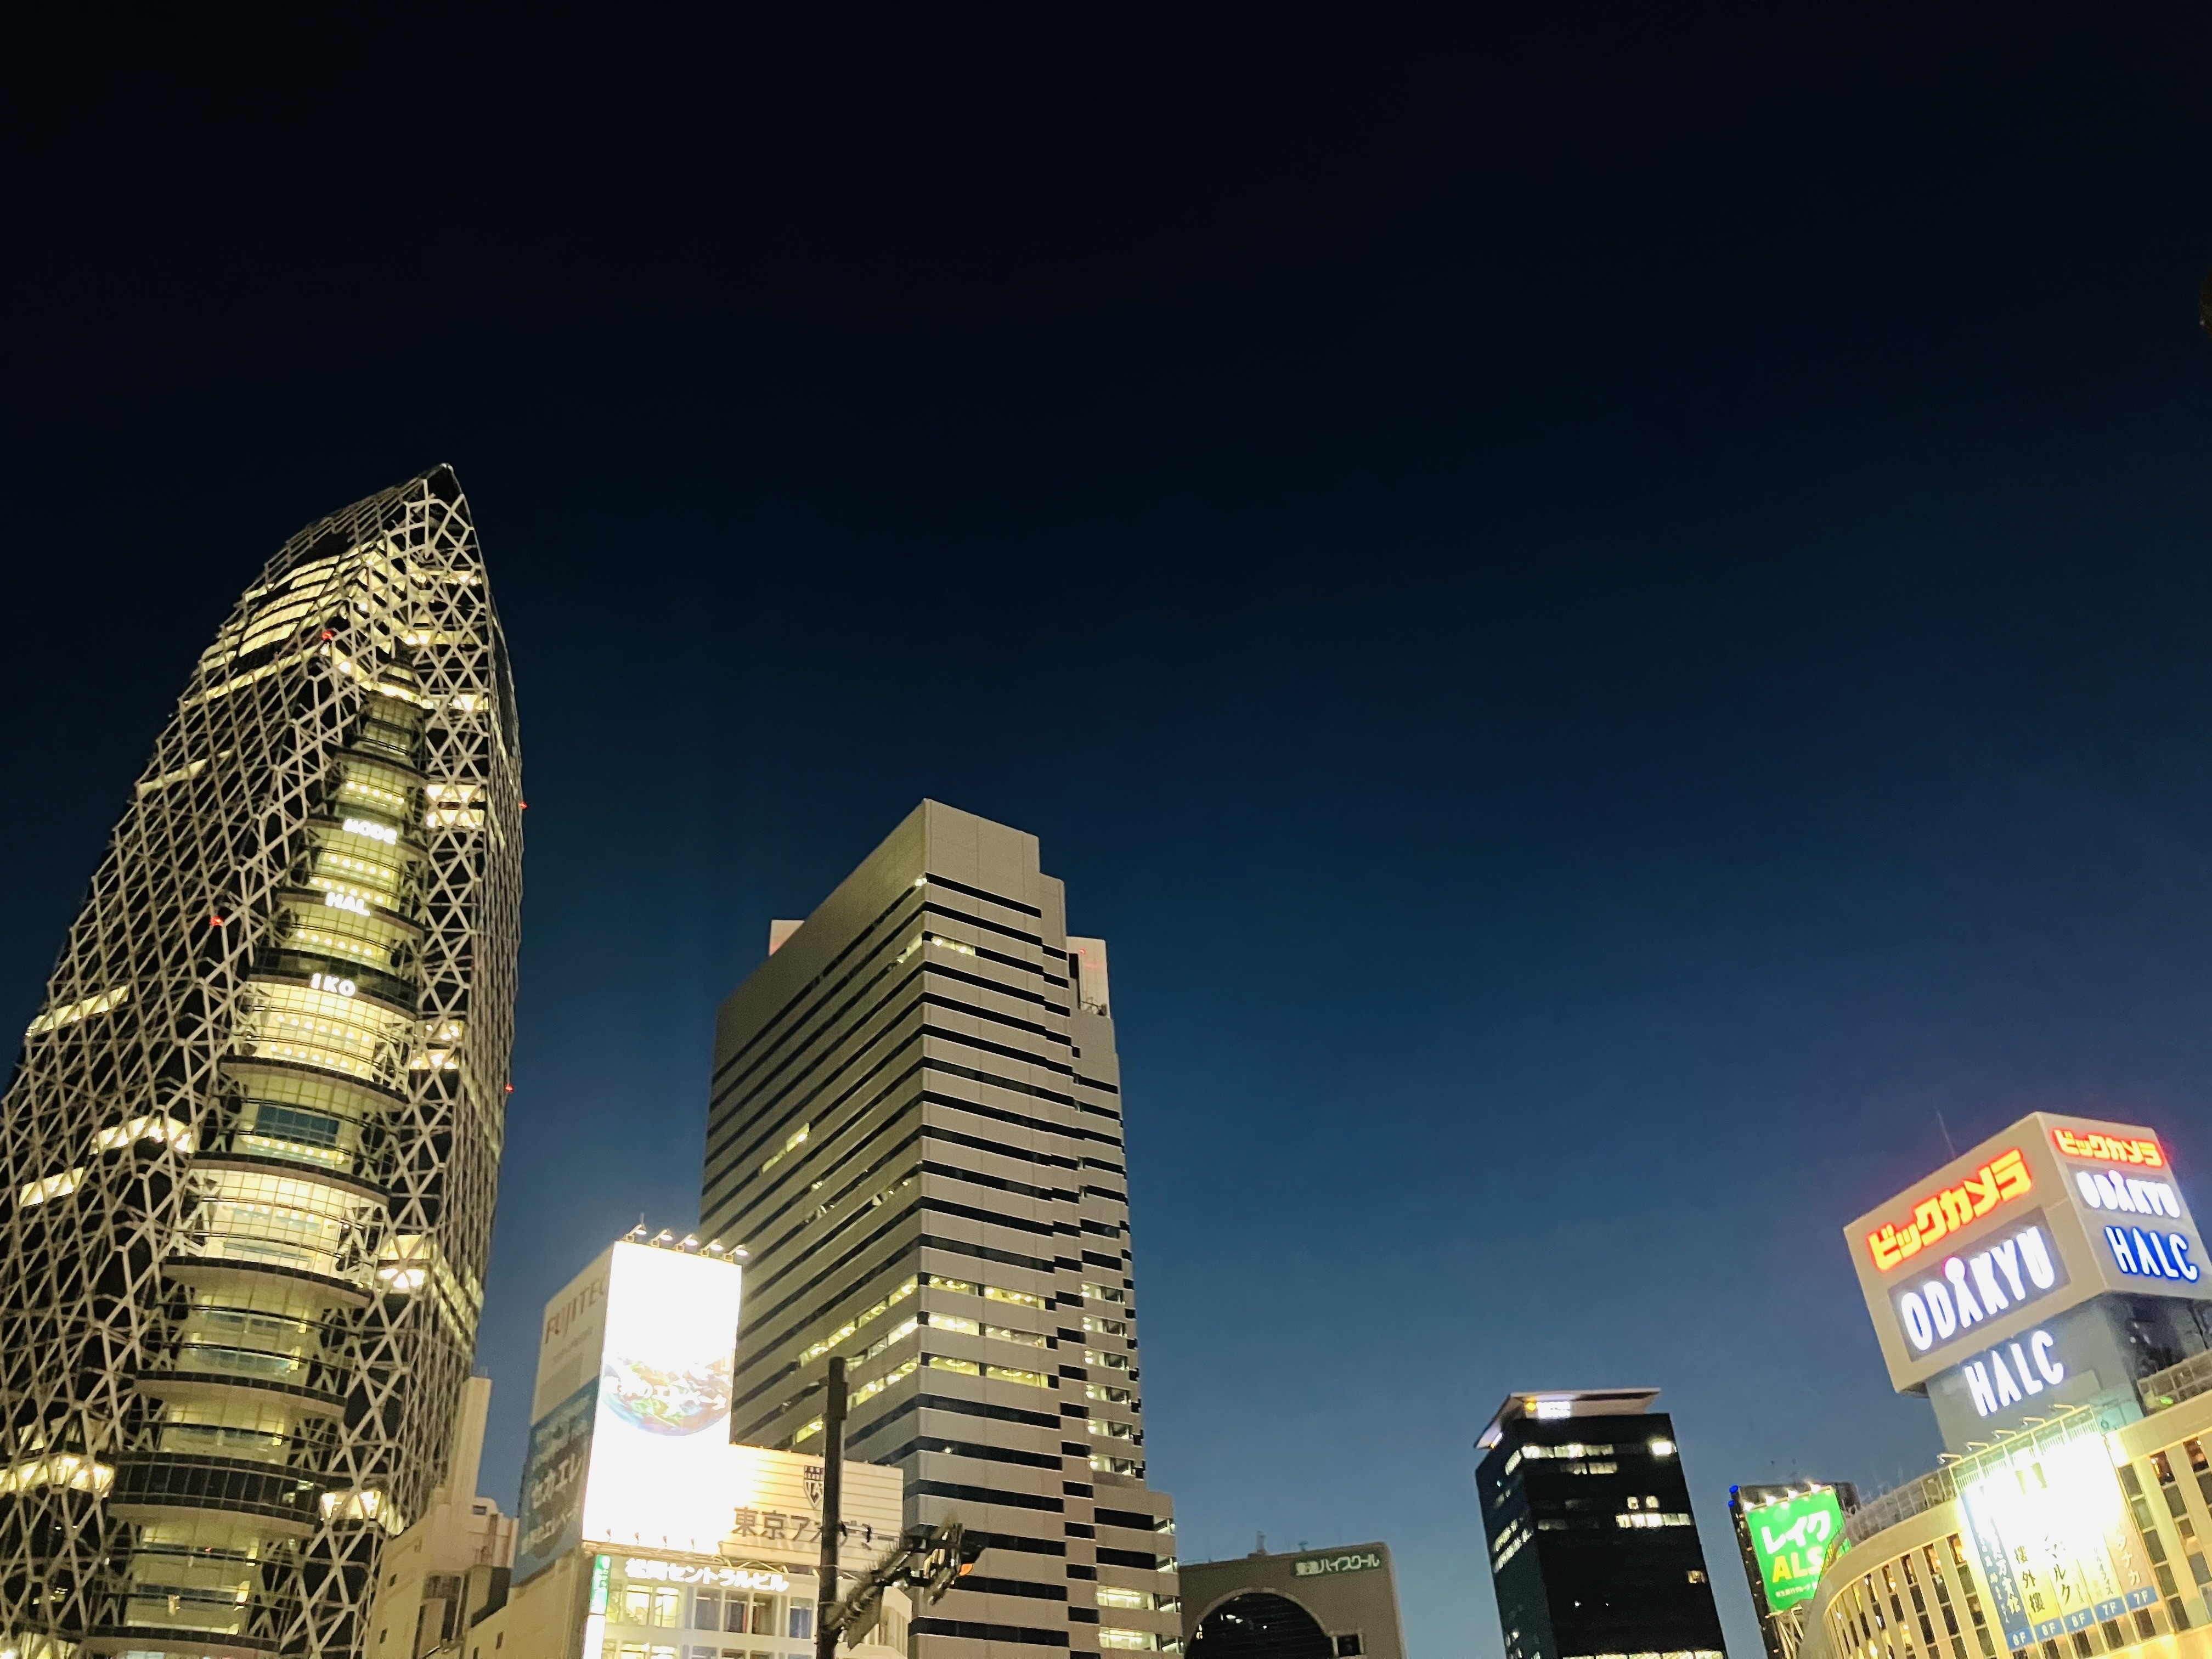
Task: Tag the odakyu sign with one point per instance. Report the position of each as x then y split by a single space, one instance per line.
2013 1232
1951 1299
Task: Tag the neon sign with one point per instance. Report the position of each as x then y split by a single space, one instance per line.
676 1573
1947 1210
1968 1289
344 987
375 831
2035 1365
2109 1149
2115 1191
2152 1254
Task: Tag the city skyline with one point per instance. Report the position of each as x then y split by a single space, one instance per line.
1603 608
252 1137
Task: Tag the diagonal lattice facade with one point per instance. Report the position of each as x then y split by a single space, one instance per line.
252 1143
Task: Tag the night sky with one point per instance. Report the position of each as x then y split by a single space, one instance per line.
1609 615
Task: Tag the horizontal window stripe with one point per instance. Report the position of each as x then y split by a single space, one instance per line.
999 1114
1016 1500
995 1081
1002 1051
1019 1542
974 1632
1000 1183
941 1402
982 1453
987 898
997 986
975 1586
985 1252
780 1021
1143 1559
931 1000
940 1135
838 1046
904 1215
988 1218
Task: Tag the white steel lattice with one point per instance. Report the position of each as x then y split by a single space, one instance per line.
252 1143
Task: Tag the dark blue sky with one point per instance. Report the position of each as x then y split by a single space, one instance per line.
1608 616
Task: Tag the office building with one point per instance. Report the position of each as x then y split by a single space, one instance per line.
915 1129
1785 1534
1593 1547
1335 1603
252 1138
2047 1292
645 1534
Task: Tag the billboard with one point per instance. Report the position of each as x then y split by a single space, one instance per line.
551 1520
2051 1212
661 1422
631 1413
2052 1530
631 1452
1791 1540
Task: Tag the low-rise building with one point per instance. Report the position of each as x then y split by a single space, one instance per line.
452 1566
2080 1534
1337 1603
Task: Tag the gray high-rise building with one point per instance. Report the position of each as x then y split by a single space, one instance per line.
253 1139
916 1131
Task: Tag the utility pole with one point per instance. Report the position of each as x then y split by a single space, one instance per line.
833 1512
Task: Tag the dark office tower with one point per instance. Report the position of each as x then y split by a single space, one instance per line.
916 1130
1593 1549
252 1138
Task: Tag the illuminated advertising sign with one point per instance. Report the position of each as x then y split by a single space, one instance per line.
1790 1539
2027 1226
1950 1210
2035 1366
2051 1526
551 1522
2095 1146
662 1417
1949 1298
630 1453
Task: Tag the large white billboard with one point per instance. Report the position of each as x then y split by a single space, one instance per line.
630 1448
660 1424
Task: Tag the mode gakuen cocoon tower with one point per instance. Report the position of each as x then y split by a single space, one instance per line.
253 1139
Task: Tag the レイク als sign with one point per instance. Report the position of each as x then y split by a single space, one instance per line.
1950 1209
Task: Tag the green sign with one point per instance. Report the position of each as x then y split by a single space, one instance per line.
1356 1561
1791 1540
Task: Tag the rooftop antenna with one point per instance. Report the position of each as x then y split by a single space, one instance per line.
1946 1128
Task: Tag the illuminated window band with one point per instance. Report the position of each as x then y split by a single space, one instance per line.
1946 1210
2035 1365
1966 1290
2152 1255
2109 1149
